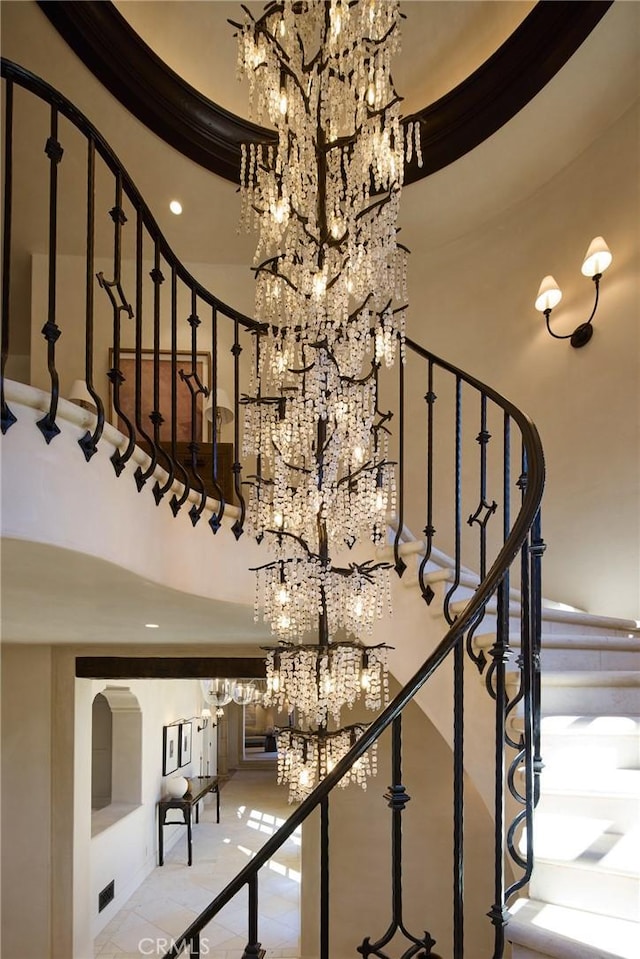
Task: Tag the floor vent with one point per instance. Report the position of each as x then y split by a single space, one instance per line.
106 896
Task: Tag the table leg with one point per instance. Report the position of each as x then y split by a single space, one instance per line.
197 813
160 838
217 803
188 815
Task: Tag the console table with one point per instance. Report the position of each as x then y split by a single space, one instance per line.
206 784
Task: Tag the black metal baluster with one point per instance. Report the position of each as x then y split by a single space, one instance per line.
176 468
8 418
397 798
458 799
324 878
236 349
252 949
523 758
159 491
216 517
429 530
51 331
458 504
141 433
155 415
500 654
116 376
537 550
89 442
488 509
399 563
199 389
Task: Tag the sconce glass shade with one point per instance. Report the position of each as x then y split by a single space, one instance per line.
597 258
224 410
205 713
217 692
549 295
80 395
243 692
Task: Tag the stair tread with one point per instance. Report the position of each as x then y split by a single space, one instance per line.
575 933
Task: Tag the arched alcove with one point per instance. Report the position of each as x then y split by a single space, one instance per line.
101 752
116 772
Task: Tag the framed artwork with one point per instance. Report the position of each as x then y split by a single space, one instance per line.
183 393
185 744
170 749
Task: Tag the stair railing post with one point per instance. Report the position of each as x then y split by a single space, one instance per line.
119 305
51 331
89 441
8 418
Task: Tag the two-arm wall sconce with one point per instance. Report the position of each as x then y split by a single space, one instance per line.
596 261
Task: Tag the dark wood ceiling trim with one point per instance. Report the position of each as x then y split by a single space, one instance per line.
507 81
170 667
211 135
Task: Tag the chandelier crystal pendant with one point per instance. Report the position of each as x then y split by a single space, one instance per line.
331 295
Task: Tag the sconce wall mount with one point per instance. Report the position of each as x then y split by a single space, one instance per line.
596 261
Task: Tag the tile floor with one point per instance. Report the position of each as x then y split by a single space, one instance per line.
251 808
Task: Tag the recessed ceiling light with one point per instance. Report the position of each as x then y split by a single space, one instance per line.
151 625
176 207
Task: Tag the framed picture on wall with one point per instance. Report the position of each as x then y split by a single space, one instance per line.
170 749
185 744
183 393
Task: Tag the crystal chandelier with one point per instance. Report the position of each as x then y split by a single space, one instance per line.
331 295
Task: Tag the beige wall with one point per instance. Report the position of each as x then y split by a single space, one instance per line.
472 303
26 801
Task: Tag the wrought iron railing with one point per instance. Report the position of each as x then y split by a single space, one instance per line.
453 482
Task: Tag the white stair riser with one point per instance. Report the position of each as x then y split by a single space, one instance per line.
607 893
620 812
590 700
523 952
553 660
539 930
616 752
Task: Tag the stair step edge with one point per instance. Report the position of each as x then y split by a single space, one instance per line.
593 938
568 641
591 867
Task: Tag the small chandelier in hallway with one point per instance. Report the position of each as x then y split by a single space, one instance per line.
331 294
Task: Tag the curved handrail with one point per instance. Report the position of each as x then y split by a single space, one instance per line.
510 549
44 90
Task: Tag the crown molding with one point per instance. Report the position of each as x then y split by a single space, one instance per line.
211 136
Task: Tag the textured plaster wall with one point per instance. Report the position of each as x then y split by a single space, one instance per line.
472 302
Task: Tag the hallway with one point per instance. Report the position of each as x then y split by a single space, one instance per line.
252 806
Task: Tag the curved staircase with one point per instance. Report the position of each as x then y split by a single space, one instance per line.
490 666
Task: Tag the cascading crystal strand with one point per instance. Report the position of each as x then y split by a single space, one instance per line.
304 759
331 292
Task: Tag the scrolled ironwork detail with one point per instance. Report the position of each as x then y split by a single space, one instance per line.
54 150
489 509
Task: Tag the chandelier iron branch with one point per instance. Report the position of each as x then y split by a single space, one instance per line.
331 293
